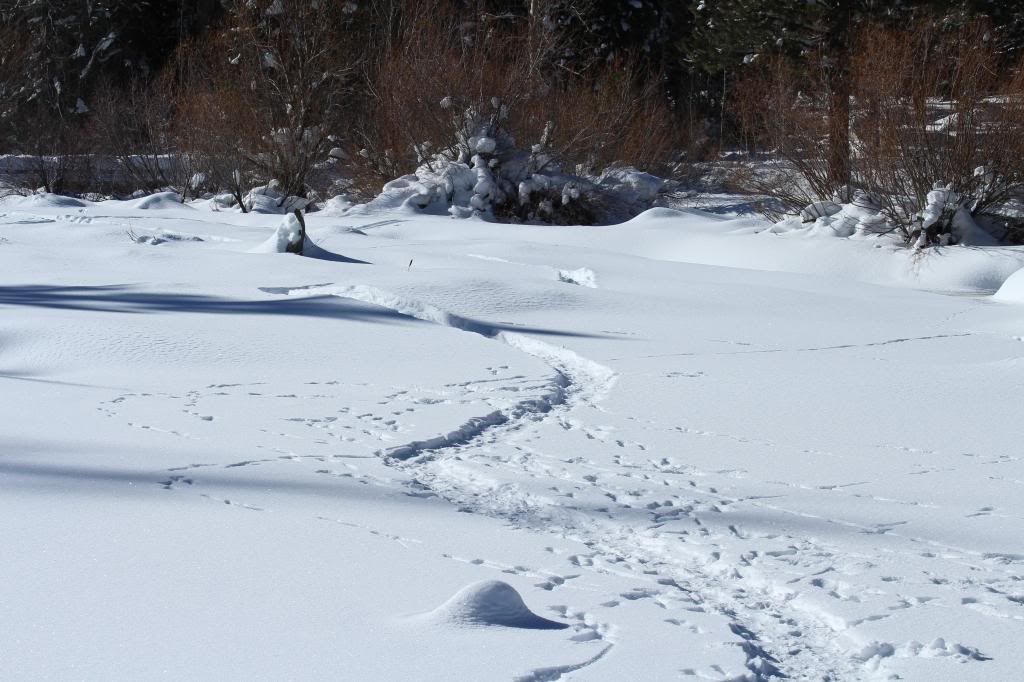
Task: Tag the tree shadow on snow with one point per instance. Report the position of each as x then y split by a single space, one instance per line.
215 479
119 298
122 298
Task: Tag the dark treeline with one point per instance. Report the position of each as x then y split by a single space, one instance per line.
242 92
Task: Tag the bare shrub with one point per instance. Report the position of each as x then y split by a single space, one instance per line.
438 69
276 86
616 113
215 122
135 127
783 108
944 117
218 128
937 128
502 72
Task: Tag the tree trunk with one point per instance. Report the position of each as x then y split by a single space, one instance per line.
839 121
837 53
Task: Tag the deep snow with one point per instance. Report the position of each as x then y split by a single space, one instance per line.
219 464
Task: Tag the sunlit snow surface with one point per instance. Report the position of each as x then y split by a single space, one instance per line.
217 464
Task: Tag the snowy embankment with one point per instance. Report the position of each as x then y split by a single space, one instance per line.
696 237
454 450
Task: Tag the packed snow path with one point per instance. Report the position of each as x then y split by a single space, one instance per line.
261 466
445 465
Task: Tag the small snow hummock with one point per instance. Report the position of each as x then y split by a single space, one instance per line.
270 199
491 603
160 201
1012 290
286 238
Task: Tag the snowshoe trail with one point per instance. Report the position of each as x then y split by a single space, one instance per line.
777 639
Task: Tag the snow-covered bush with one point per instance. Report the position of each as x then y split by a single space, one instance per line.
485 173
264 95
943 221
483 117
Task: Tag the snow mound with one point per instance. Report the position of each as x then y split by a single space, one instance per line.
1012 290
288 232
337 205
160 201
828 219
497 181
42 200
270 199
662 212
634 186
55 201
583 277
491 603
820 209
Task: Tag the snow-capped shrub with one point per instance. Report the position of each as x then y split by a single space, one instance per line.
289 237
484 173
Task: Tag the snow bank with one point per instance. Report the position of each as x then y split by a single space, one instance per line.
337 205
695 237
44 200
828 219
862 218
1012 290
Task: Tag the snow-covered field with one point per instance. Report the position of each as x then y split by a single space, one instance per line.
694 448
